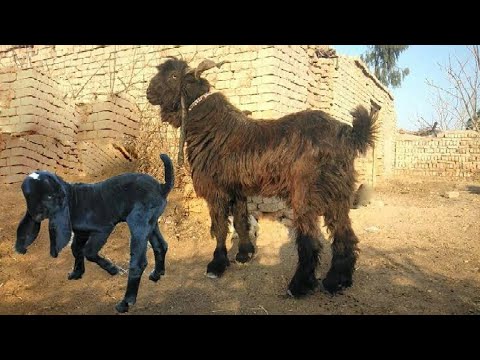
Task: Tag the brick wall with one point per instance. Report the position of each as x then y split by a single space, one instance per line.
268 80
454 154
38 125
102 133
44 129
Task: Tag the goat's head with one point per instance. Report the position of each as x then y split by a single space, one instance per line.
174 80
46 197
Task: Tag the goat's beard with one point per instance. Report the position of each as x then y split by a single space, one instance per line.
174 118
170 108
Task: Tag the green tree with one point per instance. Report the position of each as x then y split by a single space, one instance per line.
382 59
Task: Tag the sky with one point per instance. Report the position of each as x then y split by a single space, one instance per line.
414 96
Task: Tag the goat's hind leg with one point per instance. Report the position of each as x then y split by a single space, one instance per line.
78 244
141 226
160 248
94 244
344 250
242 226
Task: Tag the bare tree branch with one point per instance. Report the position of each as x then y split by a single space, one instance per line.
456 106
459 82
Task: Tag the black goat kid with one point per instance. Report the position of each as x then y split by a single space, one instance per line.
91 212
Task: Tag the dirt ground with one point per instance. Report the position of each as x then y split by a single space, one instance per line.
420 255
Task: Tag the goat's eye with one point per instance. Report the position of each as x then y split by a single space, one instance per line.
174 76
49 197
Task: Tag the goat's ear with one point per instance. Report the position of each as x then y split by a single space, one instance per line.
206 65
60 229
59 225
27 232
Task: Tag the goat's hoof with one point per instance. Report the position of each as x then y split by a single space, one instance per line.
243 257
211 275
217 267
122 307
155 276
113 270
336 283
75 275
297 289
21 250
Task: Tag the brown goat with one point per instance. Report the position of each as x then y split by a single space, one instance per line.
305 158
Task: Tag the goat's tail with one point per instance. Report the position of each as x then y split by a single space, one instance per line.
169 174
364 129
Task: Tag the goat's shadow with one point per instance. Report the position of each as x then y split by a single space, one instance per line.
473 189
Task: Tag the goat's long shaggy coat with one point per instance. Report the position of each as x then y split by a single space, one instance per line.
305 158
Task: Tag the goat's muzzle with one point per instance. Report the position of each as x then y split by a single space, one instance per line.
152 93
151 97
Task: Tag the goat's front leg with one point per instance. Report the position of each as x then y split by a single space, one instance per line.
78 244
242 226
219 209
94 245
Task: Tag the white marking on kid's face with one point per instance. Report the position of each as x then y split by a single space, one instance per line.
34 175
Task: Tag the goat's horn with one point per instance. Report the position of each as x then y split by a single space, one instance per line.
206 65
166 57
193 57
174 57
